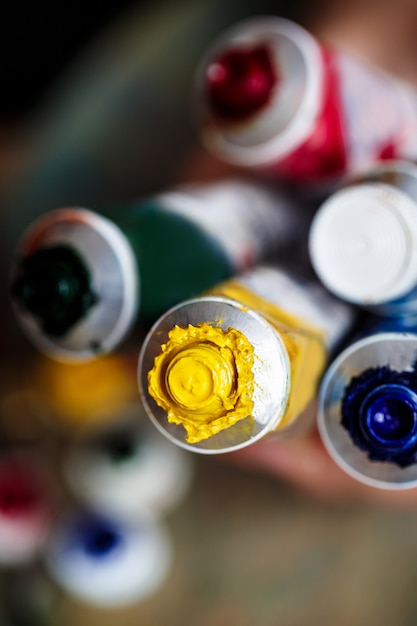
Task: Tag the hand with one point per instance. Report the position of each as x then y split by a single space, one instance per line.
304 463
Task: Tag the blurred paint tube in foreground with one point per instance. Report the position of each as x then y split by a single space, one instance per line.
218 372
367 414
81 397
80 280
108 563
363 241
130 468
26 507
28 597
272 98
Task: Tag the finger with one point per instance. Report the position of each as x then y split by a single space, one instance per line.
305 463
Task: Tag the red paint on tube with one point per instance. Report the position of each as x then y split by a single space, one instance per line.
240 81
323 152
275 100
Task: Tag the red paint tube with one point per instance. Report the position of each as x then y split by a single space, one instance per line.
272 98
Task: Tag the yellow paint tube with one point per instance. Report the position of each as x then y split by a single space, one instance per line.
245 359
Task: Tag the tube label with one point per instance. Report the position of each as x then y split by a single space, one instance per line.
249 222
308 321
375 117
306 300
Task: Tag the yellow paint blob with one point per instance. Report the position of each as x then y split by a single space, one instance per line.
203 379
83 395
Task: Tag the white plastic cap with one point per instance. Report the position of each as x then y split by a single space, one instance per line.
363 243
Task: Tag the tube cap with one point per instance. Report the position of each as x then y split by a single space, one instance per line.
363 244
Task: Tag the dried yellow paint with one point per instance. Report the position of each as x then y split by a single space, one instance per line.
203 379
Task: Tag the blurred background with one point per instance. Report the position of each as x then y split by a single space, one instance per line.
95 108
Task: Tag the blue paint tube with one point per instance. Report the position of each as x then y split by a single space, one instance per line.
105 562
367 406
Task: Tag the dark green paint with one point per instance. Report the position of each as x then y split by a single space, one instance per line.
54 285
